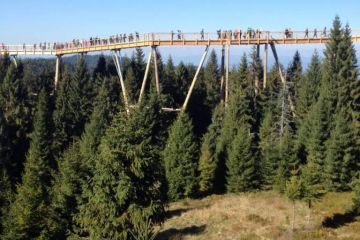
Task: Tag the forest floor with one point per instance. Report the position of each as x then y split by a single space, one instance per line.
261 215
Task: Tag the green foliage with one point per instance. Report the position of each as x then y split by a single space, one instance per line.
73 106
308 89
143 227
241 163
127 176
267 149
211 80
341 160
293 188
6 197
356 199
312 182
29 212
207 161
180 158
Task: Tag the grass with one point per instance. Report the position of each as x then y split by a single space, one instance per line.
262 215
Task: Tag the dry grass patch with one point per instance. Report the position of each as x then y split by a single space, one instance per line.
261 215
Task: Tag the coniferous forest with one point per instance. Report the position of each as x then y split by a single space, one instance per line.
75 165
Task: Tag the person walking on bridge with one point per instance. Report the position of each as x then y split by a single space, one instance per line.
219 33
324 32
179 35
315 33
202 34
306 33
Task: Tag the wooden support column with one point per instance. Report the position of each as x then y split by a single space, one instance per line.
117 61
156 71
183 109
13 58
272 45
283 80
57 69
227 74
265 64
222 73
145 77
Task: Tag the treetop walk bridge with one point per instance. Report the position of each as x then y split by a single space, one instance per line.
225 39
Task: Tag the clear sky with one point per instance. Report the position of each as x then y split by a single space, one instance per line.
32 21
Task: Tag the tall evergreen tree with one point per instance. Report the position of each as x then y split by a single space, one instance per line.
308 88
341 161
180 158
28 213
241 163
212 80
15 107
77 166
207 161
127 177
267 148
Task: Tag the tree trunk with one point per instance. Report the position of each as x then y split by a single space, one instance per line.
293 217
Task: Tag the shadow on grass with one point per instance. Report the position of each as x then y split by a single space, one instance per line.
178 212
338 220
174 233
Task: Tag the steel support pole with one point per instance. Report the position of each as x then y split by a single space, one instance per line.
145 77
183 109
265 64
117 60
227 74
57 69
156 71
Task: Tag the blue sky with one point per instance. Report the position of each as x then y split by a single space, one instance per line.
32 21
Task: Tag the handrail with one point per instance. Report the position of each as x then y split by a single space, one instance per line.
171 37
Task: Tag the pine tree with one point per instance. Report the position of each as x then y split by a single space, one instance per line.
167 85
267 148
294 75
4 65
73 106
212 80
341 161
241 164
127 177
16 111
6 198
356 199
293 191
312 184
285 161
207 161
308 88
28 213
180 158
77 166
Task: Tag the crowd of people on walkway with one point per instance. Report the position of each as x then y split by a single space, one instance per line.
249 33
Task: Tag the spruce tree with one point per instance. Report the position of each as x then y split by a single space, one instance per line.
73 106
207 161
341 161
127 176
294 75
356 198
293 191
312 184
211 81
77 166
6 198
28 214
4 65
180 159
241 163
17 113
308 88
267 149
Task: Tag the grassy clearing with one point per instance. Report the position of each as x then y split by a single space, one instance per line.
262 215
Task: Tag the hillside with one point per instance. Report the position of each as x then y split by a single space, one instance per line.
262 215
